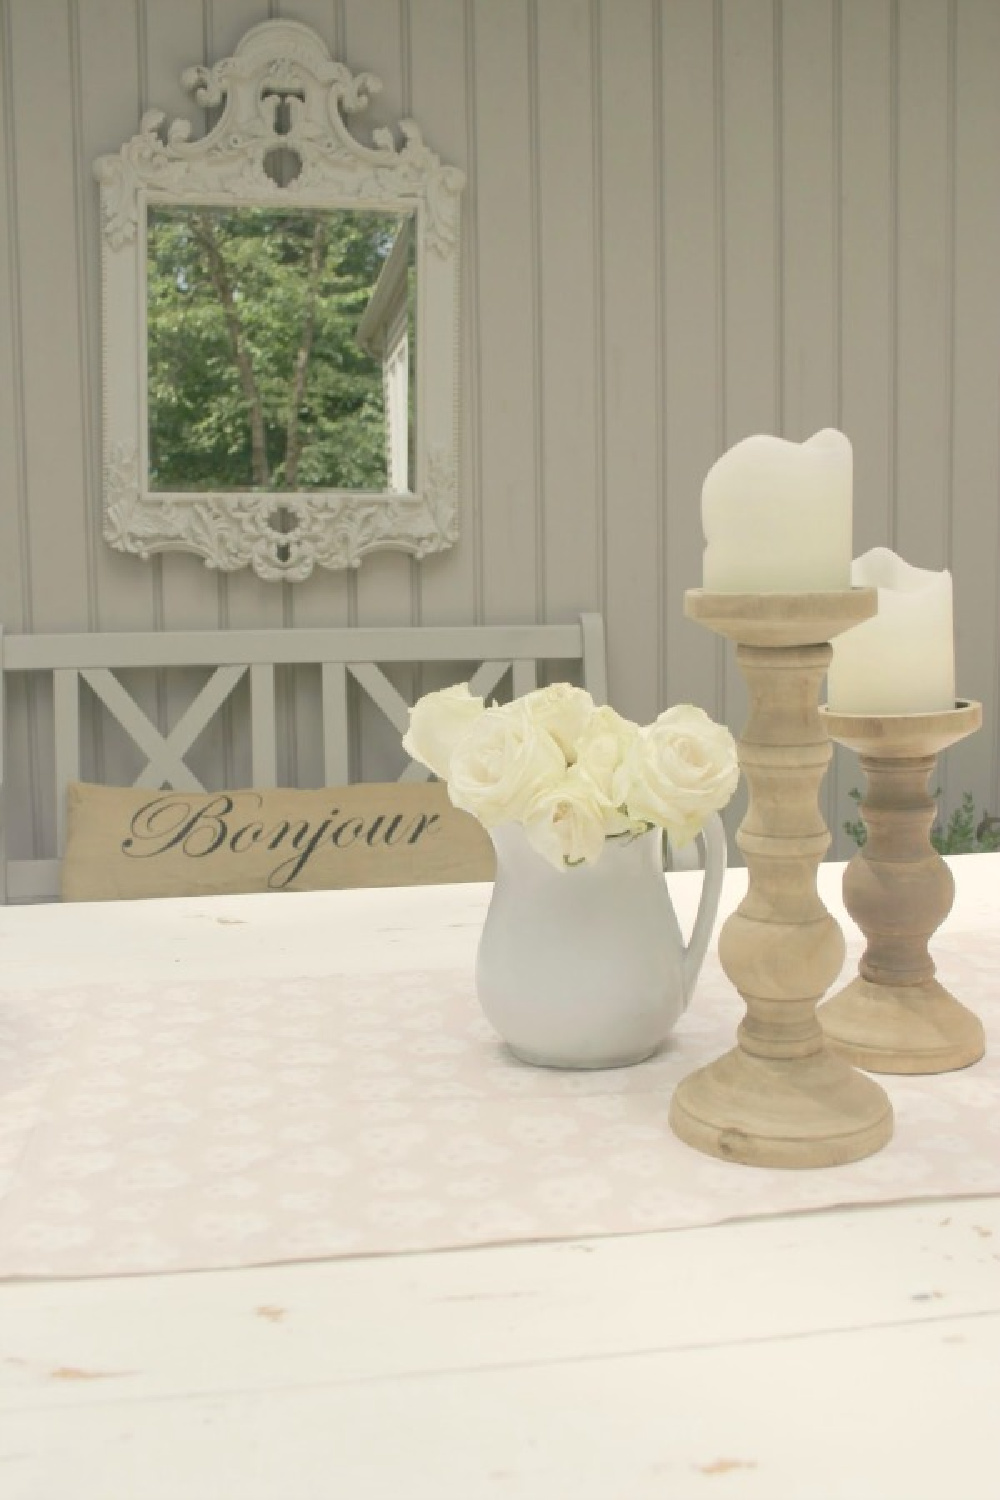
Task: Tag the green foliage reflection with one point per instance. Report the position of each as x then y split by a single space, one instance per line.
255 377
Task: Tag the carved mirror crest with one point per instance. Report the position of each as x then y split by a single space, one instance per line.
280 323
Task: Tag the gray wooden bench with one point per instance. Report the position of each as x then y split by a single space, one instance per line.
485 654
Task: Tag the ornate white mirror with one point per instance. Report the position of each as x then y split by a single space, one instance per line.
280 323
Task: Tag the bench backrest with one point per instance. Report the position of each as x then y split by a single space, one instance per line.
485 655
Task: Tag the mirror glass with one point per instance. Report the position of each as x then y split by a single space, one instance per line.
280 349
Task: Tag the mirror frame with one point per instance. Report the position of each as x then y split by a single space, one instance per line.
279 61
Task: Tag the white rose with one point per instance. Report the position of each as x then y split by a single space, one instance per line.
603 746
437 723
501 763
564 711
677 771
565 823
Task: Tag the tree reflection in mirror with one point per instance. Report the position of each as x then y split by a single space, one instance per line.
280 349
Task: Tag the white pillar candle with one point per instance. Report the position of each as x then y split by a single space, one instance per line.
902 660
777 516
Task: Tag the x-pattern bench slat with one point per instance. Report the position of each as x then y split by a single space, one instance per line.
165 753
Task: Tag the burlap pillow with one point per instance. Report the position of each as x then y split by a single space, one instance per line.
125 842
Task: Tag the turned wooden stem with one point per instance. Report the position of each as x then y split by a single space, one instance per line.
782 968
780 1097
898 812
895 1017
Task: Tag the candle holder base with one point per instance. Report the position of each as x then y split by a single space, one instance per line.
895 1017
916 1028
805 1112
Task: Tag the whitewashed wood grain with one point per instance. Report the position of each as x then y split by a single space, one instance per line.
381 1317
867 1408
437 928
844 1354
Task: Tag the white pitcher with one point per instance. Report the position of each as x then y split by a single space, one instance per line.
586 967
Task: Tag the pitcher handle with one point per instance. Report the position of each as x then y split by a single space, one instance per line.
713 837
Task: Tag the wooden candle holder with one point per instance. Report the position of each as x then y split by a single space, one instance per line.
895 1017
781 1098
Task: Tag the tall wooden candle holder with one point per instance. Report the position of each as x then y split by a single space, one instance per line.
895 1017
780 1098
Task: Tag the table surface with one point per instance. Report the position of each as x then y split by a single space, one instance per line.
850 1353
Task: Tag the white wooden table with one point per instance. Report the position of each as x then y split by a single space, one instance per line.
853 1353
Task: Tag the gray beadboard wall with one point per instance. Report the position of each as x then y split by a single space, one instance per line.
685 221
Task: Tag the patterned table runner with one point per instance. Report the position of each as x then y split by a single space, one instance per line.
148 1128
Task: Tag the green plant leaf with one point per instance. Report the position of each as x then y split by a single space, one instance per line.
959 834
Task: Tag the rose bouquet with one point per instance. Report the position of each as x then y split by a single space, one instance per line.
570 773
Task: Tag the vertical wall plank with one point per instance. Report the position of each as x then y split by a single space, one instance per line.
445 583
923 254
51 352
52 367
866 134
751 378
508 392
633 383
923 293
470 303
692 416
867 247
564 214
21 813
808 366
975 456
15 612
808 396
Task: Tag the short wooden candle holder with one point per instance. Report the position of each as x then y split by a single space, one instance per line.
895 1017
781 1098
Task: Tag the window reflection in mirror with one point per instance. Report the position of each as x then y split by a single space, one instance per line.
280 349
